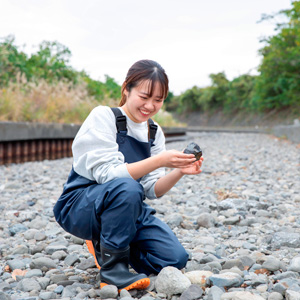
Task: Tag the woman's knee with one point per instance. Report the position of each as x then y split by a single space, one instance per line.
126 193
131 189
179 258
131 185
182 259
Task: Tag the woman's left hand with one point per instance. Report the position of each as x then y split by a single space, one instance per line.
192 169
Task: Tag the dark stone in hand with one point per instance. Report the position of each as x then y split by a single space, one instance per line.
193 148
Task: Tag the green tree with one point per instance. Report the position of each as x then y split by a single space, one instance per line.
113 89
188 101
12 61
214 96
219 89
169 98
206 98
211 97
278 85
109 89
239 93
51 63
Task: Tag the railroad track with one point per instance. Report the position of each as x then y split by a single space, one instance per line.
34 150
23 142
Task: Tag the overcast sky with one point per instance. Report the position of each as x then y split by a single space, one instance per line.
189 38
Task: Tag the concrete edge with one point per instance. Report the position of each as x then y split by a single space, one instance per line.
290 132
229 129
18 131
22 131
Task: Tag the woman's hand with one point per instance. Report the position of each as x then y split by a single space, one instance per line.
176 159
165 183
192 169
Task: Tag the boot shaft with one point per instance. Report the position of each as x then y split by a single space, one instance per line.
110 257
114 270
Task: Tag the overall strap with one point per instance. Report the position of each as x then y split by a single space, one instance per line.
122 124
152 128
120 119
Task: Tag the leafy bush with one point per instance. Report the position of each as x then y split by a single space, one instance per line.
240 93
100 90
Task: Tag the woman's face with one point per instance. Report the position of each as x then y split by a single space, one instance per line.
139 105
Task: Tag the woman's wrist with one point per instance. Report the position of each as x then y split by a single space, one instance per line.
159 160
178 172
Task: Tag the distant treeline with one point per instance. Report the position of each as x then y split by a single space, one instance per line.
44 87
276 87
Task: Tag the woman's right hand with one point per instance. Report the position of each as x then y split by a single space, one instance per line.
176 159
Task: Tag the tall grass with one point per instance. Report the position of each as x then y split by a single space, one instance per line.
164 118
59 102
62 102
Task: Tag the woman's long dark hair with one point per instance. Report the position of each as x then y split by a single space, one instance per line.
145 70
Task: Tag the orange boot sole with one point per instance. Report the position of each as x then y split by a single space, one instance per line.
138 285
91 249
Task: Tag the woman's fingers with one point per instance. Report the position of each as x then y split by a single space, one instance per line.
184 161
193 168
177 159
185 156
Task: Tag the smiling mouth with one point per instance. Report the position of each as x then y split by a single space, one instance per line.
145 112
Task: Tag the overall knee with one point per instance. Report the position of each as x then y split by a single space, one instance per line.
131 193
180 259
132 187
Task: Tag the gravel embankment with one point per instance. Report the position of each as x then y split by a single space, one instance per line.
239 220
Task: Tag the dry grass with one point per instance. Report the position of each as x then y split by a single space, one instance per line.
164 118
62 102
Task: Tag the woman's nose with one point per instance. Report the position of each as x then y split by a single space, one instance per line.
149 105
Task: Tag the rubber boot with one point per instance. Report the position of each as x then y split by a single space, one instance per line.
94 249
114 270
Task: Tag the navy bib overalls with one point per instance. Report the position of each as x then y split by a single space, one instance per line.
115 214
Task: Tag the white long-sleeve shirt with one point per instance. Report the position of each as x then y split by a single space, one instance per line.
96 154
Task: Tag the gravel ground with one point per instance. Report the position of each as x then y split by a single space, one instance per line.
239 220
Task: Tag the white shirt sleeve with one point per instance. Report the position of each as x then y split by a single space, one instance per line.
95 150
